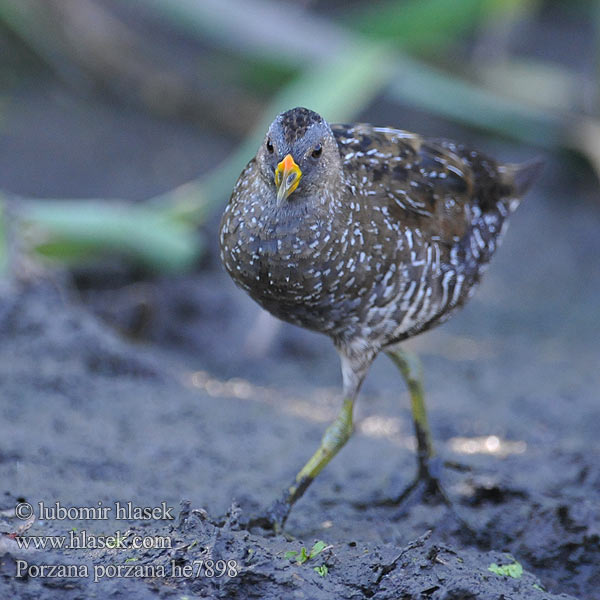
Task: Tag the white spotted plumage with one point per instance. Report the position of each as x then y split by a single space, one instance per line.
392 249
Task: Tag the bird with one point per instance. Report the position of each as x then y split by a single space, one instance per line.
369 235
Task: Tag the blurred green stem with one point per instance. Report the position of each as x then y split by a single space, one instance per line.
422 25
75 229
468 103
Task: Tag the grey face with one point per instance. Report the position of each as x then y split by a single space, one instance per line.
308 139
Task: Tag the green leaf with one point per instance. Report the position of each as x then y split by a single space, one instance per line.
70 230
291 554
303 556
317 549
431 89
514 570
322 570
420 24
431 25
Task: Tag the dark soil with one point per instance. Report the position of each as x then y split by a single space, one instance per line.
151 391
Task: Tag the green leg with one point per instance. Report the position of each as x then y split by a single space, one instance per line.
426 486
335 437
412 371
355 363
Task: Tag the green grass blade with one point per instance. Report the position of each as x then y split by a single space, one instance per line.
277 32
79 229
420 24
467 103
431 25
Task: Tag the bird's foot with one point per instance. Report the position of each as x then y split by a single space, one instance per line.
273 518
424 489
427 489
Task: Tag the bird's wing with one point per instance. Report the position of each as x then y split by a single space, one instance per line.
435 186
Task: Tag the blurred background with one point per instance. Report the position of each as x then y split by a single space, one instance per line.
124 125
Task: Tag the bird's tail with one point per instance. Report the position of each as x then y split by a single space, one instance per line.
518 178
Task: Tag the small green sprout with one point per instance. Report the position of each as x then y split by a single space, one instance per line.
514 570
538 587
131 559
302 556
317 548
322 570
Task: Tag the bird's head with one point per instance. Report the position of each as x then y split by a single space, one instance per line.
299 156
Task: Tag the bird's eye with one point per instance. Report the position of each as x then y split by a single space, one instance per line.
318 150
270 148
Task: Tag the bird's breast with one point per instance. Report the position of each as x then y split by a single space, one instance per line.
289 265
321 271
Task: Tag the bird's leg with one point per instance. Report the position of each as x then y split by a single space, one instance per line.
427 478
412 371
335 437
426 486
354 368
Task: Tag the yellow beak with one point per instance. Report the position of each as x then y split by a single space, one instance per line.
287 177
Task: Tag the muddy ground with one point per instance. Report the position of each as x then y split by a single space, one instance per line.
145 390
